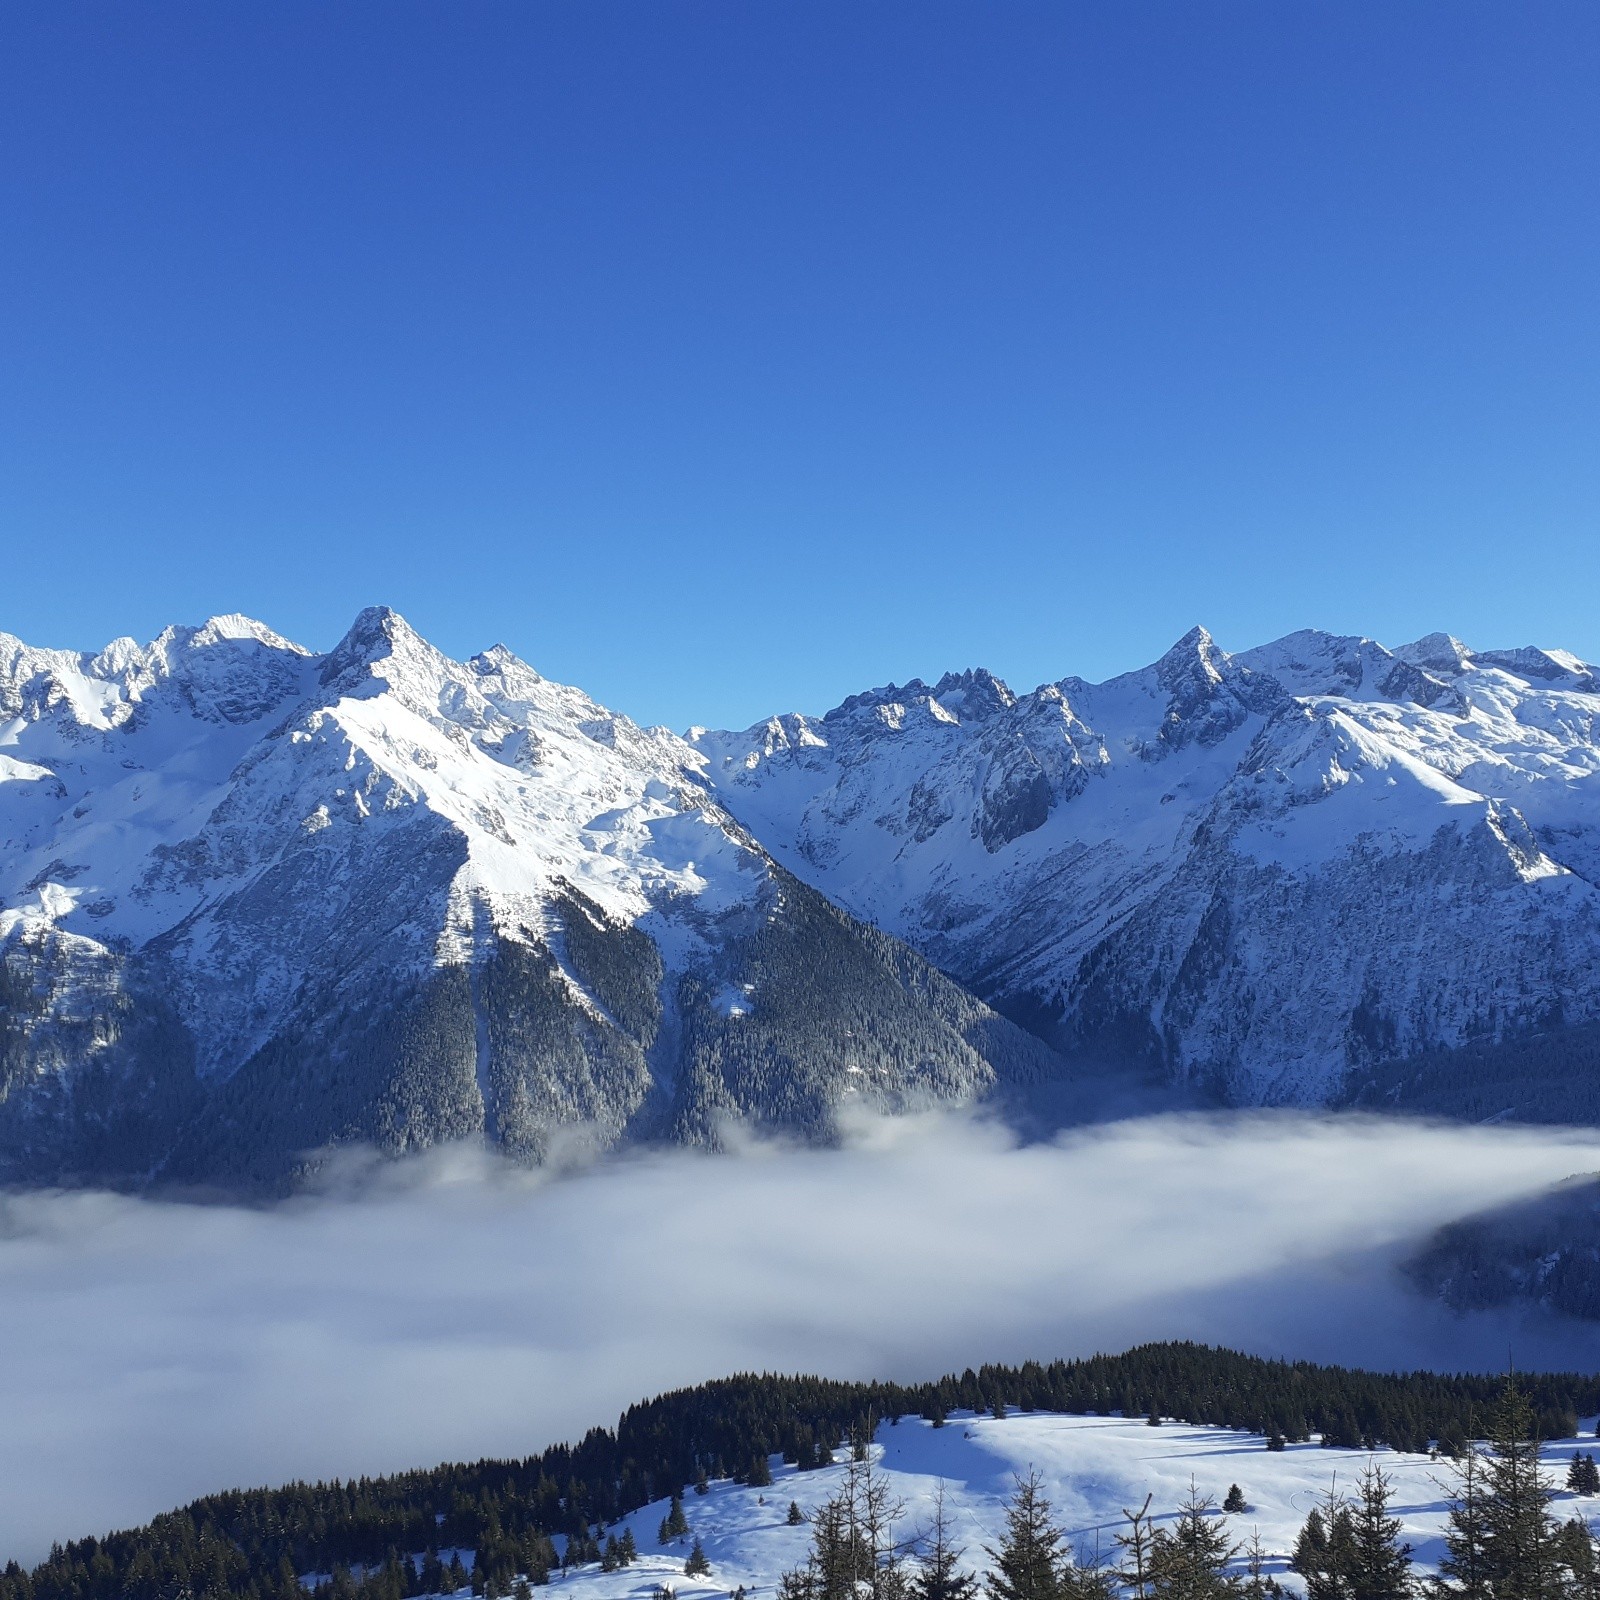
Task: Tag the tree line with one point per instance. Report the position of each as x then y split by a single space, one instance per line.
254 1544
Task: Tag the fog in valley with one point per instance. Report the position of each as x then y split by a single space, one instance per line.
452 1307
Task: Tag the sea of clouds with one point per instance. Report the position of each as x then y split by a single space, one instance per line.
451 1307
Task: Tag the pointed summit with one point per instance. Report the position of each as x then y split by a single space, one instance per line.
1196 653
379 633
1210 692
1438 653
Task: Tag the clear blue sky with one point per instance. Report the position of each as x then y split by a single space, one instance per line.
727 357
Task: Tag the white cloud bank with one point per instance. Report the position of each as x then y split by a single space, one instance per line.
451 1308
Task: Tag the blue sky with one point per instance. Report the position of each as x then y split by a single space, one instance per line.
730 357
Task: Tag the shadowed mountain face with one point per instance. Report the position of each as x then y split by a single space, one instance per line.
1545 1250
257 901
254 901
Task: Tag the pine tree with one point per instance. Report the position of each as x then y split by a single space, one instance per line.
1088 1580
796 1515
760 1474
1523 1541
1189 1560
697 1566
1257 1584
1502 1542
627 1548
702 1484
1233 1503
853 1554
1135 1544
1464 1569
1323 1550
677 1524
1029 1560
1581 1559
1379 1565
938 1573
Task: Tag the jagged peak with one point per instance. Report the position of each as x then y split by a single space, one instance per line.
977 692
974 692
501 661
377 634
1195 653
1436 652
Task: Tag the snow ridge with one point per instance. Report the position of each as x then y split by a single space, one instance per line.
1268 871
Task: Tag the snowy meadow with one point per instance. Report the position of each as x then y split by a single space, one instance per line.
453 1307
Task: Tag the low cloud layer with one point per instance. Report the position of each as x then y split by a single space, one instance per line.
451 1308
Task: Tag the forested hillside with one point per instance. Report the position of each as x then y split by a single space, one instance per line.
255 1544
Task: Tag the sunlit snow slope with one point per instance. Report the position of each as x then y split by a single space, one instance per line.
1092 1468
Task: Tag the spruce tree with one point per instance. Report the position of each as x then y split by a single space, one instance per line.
1523 1541
697 1566
677 1523
796 1516
1029 1559
1379 1565
1464 1569
1258 1584
1322 1552
1581 1559
1135 1545
1502 1542
1088 1580
1233 1503
1189 1560
938 1574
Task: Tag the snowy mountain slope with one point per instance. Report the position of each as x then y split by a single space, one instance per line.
1091 1467
1273 872
253 899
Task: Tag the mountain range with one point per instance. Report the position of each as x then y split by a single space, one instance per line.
255 901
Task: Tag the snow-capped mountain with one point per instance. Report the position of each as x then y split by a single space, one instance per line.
253 900
1309 870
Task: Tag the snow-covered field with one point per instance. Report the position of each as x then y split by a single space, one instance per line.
1093 1467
